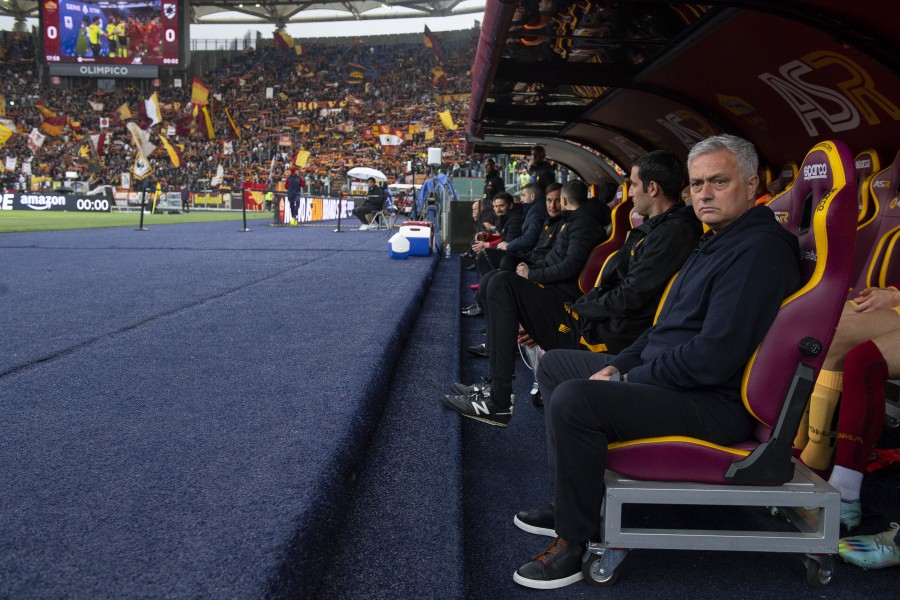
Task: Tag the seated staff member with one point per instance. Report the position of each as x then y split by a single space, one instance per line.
683 375
615 312
535 257
534 214
558 276
508 228
374 203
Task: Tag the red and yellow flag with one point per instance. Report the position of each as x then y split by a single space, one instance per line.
48 113
204 123
199 93
173 151
235 130
54 125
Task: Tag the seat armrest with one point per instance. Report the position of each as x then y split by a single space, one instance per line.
770 463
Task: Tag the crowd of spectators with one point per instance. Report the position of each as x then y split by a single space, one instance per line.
397 89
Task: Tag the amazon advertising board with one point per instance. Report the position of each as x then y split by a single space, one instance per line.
56 202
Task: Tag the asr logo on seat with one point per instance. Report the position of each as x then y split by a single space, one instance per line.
782 216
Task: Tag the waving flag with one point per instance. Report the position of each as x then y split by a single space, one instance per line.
5 134
98 141
173 151
388 136
235 130
48 113
283 40
124 112
151 107
438 77
199 93
447 120
432 42
301 159
204 123
53 126
141 140
36 140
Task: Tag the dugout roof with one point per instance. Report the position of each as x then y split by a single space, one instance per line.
622 78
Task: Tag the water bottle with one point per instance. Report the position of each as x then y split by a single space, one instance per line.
447 250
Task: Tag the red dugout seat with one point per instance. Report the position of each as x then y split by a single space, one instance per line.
867 166
786 176
620 225
881 267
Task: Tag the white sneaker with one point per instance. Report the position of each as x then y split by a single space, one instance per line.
363 227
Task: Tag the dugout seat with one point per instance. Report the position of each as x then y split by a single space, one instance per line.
620 225
786 175
867 166
882 265
820 208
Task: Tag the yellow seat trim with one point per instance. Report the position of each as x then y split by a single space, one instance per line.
678 439
819 224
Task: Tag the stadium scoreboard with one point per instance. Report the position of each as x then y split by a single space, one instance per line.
105 38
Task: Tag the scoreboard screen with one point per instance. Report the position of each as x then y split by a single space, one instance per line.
137 32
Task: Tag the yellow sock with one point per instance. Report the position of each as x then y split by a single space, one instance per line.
802 437
818 451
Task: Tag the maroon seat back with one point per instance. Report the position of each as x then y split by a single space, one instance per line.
820 208
881 267
620 225
786 176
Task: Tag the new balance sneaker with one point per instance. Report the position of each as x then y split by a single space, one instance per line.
484 386
557 566
478 406
851 514
872 551
539 521
478 350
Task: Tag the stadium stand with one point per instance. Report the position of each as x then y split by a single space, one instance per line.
328 101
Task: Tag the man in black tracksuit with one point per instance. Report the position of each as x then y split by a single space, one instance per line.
534 257
683 375
558 279
615 312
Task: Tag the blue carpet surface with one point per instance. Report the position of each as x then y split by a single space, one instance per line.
403 537
184 408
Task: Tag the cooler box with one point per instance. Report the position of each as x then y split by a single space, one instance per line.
398 246
420 235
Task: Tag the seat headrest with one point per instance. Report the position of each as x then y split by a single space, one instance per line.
866 162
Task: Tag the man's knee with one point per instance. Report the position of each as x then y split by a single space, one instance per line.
564 408
548 373
501 283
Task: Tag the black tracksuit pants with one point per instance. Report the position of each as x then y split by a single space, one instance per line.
508 300
582 417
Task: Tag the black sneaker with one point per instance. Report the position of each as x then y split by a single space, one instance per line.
485 386
539 521
557 566
478 350
478 406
